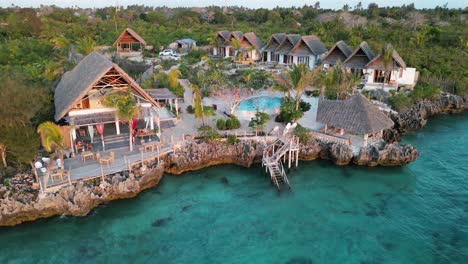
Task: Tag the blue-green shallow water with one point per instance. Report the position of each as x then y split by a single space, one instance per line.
228 214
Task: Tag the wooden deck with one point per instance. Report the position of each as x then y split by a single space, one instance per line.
90 169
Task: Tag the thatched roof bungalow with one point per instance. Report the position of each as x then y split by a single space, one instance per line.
78 96
338 53
356 115
129 42
271 46
308 50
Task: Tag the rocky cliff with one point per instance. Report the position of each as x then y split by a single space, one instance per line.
77 199
20 202
416 117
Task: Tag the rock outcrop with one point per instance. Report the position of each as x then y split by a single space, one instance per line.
416 117
77 199
80 198
381 154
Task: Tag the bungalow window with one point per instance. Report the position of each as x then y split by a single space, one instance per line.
357 71
379 77
303 60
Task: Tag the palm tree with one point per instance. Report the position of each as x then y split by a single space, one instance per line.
213 42
236 46
387 59
51 138
197 102
126 109
3 154
86 45
297 76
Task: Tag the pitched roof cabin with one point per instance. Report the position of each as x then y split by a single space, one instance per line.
356 115
288 44
285 47
361 56
377 62
308 50
129 42
338 53
79 94
224 38
271 46
251 45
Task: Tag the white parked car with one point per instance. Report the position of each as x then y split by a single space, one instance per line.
175 57
167 52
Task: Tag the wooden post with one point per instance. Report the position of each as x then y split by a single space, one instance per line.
159 151
142 158
102 173
289 161
69 175
72 142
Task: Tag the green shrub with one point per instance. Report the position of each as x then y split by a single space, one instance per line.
288 112
259 121
162 80
208 110
221 124
190 109
208 133
167 64
6 182
178 90
184 71
235 123
302 133
424 91
401 102
315 93
229 124
232 139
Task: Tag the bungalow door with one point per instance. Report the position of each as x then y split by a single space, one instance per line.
379 77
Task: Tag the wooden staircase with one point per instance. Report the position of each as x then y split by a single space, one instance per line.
273 154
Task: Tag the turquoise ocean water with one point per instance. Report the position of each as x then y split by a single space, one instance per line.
228 214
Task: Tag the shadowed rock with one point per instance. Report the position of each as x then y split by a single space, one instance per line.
185 208
225 181
299 260
161 221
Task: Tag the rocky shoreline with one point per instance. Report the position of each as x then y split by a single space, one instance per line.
81 197
416 117
20 202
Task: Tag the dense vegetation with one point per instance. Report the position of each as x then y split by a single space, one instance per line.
35 47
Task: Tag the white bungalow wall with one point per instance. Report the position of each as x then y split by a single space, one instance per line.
407 77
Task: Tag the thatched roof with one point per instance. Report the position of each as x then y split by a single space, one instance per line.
131 33
274 42
357 115
339 52
308 45
224 34
235 34
288 43
377 62
360 57
253 40
76 83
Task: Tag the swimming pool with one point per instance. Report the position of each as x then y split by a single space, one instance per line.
260 103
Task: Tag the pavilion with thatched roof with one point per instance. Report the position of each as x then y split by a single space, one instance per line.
78 96
356 115
129 42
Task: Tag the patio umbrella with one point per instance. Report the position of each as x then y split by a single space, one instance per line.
91 133
100 129
134 125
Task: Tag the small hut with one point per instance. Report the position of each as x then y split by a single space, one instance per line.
129 42
356 115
